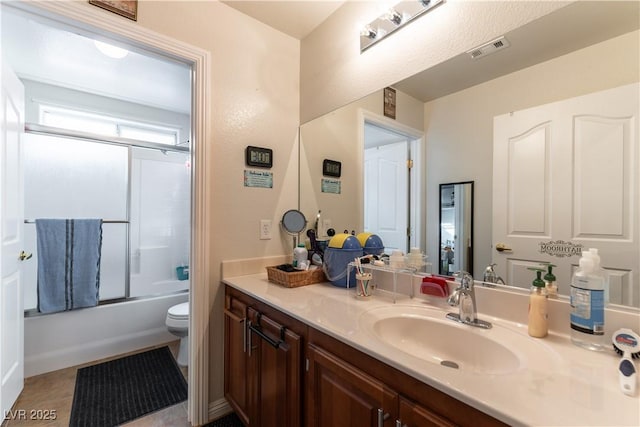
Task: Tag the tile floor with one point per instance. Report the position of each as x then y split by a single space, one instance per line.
54 391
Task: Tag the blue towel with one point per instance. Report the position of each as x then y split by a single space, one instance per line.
68 263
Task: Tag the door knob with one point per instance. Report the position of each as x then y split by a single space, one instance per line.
24 256
501 247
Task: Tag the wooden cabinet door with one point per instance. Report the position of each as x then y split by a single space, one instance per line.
340 395
415 415
275 361
235 357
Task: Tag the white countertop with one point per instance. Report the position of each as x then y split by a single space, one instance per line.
561 384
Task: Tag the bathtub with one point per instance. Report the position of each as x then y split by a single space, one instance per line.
65 339
143 288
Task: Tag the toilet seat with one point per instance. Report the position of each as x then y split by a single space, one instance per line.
178 316
179 311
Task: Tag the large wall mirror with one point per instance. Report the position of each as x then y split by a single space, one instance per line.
456 227
447 112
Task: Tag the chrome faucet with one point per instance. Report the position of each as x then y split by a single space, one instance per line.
490 275
464 297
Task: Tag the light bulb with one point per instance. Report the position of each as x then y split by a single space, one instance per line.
368 32
110 50
394 16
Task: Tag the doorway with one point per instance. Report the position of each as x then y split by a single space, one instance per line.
90 21
392 183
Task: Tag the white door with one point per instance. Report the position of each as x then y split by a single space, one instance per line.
11 225
565 178
386 194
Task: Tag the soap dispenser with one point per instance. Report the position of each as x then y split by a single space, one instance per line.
550 282
538 317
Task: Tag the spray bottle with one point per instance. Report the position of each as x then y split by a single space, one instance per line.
587 305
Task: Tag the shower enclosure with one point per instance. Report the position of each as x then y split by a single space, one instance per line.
142 194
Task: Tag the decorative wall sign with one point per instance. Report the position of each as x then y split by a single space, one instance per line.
258 157
126 8
262 179
390 102
560 248
331 186
331 168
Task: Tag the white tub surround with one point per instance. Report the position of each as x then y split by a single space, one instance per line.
573 386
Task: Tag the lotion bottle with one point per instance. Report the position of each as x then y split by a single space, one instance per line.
300 257
538 317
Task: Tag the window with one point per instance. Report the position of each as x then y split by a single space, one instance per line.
107 126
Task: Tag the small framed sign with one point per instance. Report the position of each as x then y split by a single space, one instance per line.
390 102
331 168
259 157
126 8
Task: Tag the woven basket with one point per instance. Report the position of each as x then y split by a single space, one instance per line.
295 279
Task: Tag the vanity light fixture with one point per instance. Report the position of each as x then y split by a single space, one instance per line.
395 18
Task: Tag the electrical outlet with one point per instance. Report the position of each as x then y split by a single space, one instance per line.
326 224
265 229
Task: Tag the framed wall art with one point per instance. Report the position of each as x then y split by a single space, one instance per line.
390 102
126 8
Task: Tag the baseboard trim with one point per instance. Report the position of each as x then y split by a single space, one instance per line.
218 409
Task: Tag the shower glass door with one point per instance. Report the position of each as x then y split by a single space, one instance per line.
73 178
160 221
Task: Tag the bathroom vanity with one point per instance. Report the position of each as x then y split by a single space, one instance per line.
317 356
284 372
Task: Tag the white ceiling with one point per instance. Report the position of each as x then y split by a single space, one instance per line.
38 51
576 26
42 52
296 18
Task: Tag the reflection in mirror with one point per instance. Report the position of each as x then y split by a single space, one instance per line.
456 227
454 104
349 135
388 193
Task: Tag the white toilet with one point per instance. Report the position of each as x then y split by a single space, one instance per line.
178 324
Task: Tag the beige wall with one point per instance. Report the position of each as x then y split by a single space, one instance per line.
334 73
254 101
260 77
459 127
336 136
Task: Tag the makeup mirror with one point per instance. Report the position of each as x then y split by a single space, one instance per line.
294 223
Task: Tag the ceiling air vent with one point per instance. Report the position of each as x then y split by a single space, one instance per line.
489 48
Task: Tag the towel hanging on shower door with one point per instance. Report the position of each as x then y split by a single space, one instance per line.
69 253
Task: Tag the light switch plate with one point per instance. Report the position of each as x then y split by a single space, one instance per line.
265 229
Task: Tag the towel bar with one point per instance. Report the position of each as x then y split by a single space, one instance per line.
104 221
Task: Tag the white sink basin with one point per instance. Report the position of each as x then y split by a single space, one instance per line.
426 334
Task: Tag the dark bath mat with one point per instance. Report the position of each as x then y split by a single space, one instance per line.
230 420
120 390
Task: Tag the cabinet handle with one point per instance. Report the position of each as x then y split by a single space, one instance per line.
273 343
249 337
382 417
244 334
399 424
